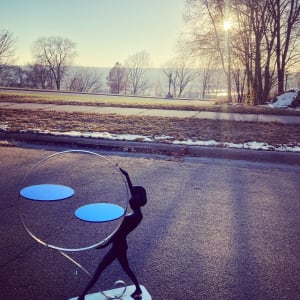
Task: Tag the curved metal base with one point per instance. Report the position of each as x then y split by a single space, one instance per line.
129 290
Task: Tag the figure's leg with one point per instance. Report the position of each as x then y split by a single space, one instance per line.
122 258
106 261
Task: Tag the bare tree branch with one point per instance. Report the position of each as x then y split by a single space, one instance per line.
7 47
85 80
135 65
56 53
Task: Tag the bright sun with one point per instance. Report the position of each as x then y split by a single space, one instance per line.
227 25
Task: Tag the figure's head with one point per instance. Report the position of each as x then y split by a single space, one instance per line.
138 197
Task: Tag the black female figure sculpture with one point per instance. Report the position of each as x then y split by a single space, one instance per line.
118 240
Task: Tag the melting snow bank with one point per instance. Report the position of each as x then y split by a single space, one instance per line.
211 143
248 145
287 99
4 127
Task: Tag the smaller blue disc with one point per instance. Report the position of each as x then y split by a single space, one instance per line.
99 212
47 192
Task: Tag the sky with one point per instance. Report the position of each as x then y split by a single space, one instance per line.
104 31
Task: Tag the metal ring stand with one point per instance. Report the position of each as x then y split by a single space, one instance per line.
56 192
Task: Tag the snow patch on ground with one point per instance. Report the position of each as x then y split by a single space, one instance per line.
284 100
3 127
133 137
249 145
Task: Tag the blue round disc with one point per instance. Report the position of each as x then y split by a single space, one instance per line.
47 192
99 212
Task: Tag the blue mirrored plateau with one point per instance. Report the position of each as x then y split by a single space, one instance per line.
47 192
99 212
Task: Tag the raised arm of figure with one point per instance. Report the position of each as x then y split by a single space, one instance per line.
127 178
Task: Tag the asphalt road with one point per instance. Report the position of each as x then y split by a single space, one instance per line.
212 229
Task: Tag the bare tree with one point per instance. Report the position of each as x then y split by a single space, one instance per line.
269 32
251 24
135 65
86 80
207 67
185 76
264 40
117 79
286 14
180 74
239 77
39 77
7 51
13 76
7 47
56 53
205 36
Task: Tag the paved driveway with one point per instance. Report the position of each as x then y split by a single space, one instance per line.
212 229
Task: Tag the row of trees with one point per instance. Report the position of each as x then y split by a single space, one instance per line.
131 78
53 56
262 42
256 54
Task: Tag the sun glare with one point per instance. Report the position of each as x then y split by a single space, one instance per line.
227 25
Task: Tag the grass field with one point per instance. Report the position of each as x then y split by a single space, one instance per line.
102 100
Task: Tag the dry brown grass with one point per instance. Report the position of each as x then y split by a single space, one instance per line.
181 129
